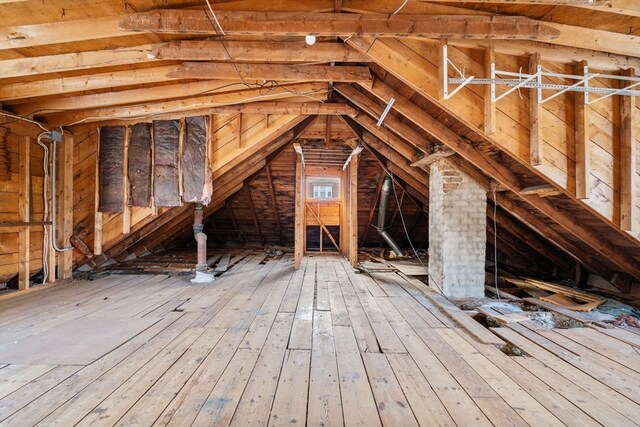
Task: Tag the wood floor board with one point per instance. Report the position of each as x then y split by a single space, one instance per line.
303 321
392 405
325 404
566 411
614 400
290 402
265 344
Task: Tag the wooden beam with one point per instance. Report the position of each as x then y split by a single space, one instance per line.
605 61
70 84
299 212
21 36
505 177
253 214
582 141
97 218
279 72
65 202
274 203
131 96
544 190
629 182
251 51
275 108
24 209
194 105
489 106
339 24
536 143
77 61
353 210
427 160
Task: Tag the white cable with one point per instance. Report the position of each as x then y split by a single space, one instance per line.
401 6
215 18
495 242
25 119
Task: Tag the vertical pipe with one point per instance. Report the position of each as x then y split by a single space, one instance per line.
201 238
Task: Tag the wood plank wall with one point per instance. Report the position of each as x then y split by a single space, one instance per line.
18 132
417 62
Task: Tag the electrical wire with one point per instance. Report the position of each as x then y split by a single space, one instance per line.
495 242
404 225
45 217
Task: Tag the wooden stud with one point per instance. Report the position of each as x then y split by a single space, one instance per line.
582 142
372 210
24 209
489 105
253 214
274 203
535 115
126 211
97 221
299 213
65 202
353 210
629 183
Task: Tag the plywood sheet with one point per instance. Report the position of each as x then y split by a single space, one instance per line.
111 169
166 148
196 179
77 342
139 168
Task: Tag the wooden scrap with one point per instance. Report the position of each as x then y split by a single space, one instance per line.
563 300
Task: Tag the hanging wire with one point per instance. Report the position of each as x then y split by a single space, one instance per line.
495 242
404 225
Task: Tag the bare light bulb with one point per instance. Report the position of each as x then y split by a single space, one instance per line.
310 40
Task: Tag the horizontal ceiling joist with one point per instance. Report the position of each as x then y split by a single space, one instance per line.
183 107
252 51
338 24
192 50
278 72
86 82
77 61
131 96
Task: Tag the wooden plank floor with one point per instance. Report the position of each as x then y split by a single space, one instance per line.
267 345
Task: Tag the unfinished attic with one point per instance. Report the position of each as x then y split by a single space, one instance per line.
346 212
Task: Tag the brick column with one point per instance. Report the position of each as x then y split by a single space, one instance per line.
457 232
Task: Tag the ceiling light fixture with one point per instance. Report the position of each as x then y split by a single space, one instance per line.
310 40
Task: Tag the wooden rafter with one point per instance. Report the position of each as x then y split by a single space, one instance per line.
274 203
505 177
195 105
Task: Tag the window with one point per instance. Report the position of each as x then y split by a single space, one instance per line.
323 188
